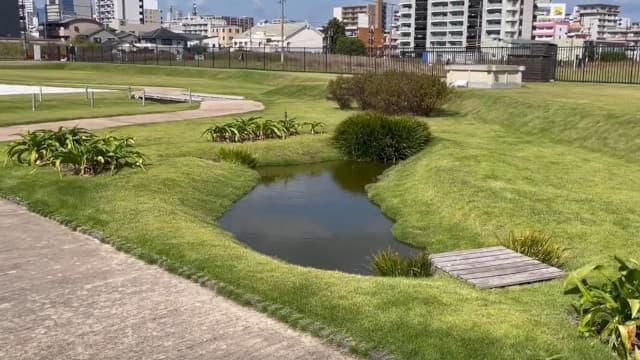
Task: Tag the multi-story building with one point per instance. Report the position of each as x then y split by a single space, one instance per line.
552 31
597 19
550 21
129 11
463 23
57 10
209 26
152 16
30 17
9 19
351 16
629 34
243 22
507 19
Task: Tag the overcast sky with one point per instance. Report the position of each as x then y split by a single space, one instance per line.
319 11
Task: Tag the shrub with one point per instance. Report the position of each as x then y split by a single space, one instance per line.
613 55
391 264
77 150
253 129
393 92
609 304
376 137
340 91
238 156
536 244
350 46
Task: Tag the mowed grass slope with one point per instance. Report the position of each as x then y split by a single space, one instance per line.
17 109
482 176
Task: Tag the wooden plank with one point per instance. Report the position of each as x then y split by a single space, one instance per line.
475 256
506 271
495 266
517 279
477 261
464 252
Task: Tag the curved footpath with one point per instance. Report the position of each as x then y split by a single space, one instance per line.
207 109
64 295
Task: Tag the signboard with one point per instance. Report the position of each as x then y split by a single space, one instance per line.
551 12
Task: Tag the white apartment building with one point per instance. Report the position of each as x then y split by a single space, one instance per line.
507 19
129 11
461 23
597 19
209 26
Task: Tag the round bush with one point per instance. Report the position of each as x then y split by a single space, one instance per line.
377 137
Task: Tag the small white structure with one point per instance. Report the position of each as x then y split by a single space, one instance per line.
485 76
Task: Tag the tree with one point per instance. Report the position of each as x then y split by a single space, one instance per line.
333 32
351 46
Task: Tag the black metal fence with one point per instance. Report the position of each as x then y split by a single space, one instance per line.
544 62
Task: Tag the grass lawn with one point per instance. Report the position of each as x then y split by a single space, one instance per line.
16 109
560 157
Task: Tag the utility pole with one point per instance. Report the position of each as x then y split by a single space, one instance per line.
282 31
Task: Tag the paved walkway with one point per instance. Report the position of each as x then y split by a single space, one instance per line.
64 295
207 109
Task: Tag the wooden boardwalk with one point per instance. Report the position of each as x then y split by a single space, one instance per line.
494 267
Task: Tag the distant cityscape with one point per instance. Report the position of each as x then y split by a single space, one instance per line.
415 24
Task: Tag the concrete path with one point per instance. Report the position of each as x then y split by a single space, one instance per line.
64 295
207 109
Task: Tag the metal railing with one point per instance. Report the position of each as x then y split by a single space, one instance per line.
603 64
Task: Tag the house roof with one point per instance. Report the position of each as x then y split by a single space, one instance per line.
76 20
275 30
91 33
194 36
122 34
163 33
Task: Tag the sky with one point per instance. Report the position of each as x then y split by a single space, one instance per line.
319 12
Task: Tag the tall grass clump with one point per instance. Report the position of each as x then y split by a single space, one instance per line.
538 245
377 137
390 263
391 93
238 156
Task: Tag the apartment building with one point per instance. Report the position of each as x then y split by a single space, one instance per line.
57 10
597 19
209 26
128 11
462 23
507 19
354 16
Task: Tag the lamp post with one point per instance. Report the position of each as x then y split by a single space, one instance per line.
282 31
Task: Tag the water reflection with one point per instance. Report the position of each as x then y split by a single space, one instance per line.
315 215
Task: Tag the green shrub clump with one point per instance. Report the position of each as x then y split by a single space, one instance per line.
255 128
377 137
76 150
340 91
238 156
609 305
391 93
391 264
538 245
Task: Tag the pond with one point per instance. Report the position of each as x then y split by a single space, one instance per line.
315 215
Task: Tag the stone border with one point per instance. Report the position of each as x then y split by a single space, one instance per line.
295 320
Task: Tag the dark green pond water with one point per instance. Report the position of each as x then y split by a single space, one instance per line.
315 215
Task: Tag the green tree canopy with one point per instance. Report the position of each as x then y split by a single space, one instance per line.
333 32
350 46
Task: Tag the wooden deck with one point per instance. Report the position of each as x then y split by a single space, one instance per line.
494 267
